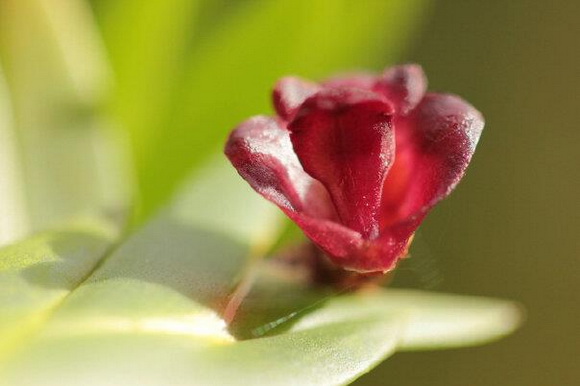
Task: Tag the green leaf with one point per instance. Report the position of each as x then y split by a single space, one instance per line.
56 80
431 320
37 275
279 302
149 313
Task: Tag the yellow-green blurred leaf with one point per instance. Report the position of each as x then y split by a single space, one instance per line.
13 214
148 42
37 275
53 64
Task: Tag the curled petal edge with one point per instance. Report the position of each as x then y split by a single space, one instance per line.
403 85
435 144
261 152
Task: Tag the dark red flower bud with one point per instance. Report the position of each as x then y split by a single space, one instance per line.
358 161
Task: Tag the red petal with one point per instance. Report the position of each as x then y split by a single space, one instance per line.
261 151
289 93
364 80
434 146
404 86
337 241
344 139
348 249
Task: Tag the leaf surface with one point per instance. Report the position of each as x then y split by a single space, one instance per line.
149 313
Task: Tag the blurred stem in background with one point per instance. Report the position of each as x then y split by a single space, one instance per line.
64 160
13 219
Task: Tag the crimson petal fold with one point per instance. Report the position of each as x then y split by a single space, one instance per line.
348 249
344 139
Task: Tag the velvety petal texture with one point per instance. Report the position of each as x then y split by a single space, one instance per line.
435 144
261 151
344 139
358 161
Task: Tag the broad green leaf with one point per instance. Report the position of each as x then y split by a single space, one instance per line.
68 161
149 313
326 355
431 320
37 275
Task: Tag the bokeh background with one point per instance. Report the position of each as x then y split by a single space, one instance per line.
111 102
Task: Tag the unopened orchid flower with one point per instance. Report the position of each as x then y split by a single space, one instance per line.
358 161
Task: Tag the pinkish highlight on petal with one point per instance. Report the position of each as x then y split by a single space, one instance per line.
261 151
290 92
404 86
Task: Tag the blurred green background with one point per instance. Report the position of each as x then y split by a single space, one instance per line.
112 102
